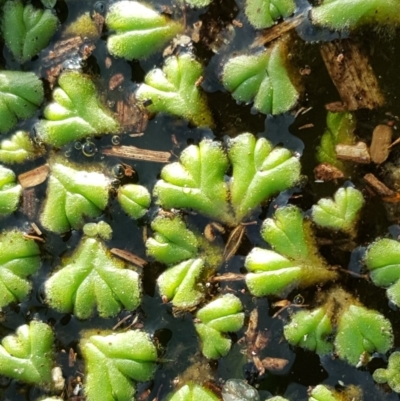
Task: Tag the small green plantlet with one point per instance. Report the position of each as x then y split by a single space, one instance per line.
92 279
262 78
192 258
139 30
83 26
75 113
114 362
322 393
264 13
223 315
310 330
26 30
342 212
21 93
18 149
301 265
175 90
198 3
325 393
350 14
73 195
10 192
134 200
391 375
192 391
28 355
198 182
19 258
359 331
383 261
340 130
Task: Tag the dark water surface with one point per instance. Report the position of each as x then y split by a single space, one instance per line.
176 335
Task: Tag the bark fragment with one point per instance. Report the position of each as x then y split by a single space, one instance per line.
380 145
134 153
34 177
357 153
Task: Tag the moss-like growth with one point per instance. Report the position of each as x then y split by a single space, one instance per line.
340 130
138 30
19 258
26 30
18 149
222 315
114 362
28 355
92 279
263 14
73 195
263 78
350 14
10 192
134 200
341 212
198 180
76 112
21 93
295 260
175 90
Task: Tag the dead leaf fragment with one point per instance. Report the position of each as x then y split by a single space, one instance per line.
380 144
234 241
34 177
327 172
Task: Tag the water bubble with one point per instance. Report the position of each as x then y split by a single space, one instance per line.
186 190
115 139
77 145
89 149
68 153
100 7
118 171
298 299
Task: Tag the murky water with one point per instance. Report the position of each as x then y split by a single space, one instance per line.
176 335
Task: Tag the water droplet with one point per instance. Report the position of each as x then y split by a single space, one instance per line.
89 149
118 171
115 139
77 145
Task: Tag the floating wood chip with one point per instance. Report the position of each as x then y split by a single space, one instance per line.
129 257
357 153
327 172
380 144
115 81
335 107
270 364
268 35
251 332
378 186
352 74
34 177
131 117
29 203
234 241
134 153
228 277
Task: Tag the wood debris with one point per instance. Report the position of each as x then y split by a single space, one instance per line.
115 81
352 74
134 153
29 203
335 107
228 277
327 172
129 257
34 177
71 357
378 186
270 364
380 144
357 153
130 116
234 241
268 35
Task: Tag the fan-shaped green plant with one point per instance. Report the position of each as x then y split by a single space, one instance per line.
295 260
350 14
19 258
263 78
191 259
391 375
10 192
21 93
93 279
76 112
192 391
134 200
222 315
198 181
383 261
264 13
18 149
73 195
340 130
359 331
139 30
175 90
28 355
114 362
341 212
26 30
